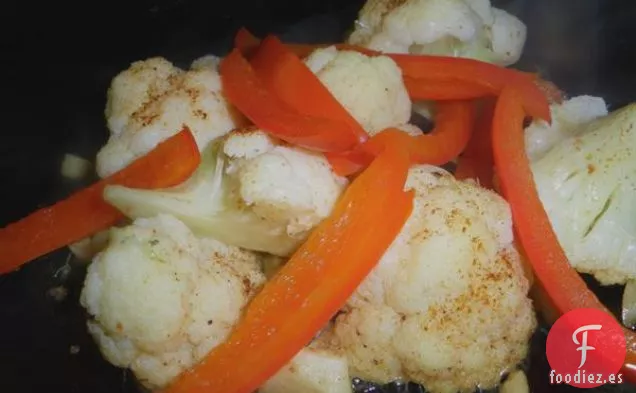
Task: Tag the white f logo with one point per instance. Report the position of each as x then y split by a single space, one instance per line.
584 347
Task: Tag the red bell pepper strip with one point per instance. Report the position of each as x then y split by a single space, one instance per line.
564 288
551 91
470 72
246 42
443 77
428 89
85 212
250 95
285 75
453 126
312 286
476 161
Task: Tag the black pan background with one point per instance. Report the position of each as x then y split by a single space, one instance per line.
58 59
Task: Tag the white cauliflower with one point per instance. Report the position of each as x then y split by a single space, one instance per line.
568 118
210 62
463 28
370 88
161 299
447 305
312 370
586 180
152 100
251 192
87 248
281 183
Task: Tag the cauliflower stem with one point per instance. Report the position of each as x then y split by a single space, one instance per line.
209 203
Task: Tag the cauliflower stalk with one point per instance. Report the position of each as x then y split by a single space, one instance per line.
160 299
586 180
463 28
252 191
447 305
152 100
248 192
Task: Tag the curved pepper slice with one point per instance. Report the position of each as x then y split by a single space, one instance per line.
312 286
85 212
285 75
250 95
453 126
433 90
470 72
443 77
564 288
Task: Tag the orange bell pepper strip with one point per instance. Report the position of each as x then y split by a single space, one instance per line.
476 161
285 75
85 212
469 72
551 91
442 77
453 126
563 287
312 286
246 42
428 89
245 90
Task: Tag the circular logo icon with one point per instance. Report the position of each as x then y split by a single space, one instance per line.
586 348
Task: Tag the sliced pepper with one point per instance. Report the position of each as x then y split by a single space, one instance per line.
246 42
453 126
250 95
312 286
428 89
476 161
443 77
85 212
285 75
551 91
469 72
563 287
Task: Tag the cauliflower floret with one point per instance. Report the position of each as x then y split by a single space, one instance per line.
507 36
87 248
210 62
447 305
312 370
161 299
282 183
152 100
567 119
587 182
370 88
464 28
250 191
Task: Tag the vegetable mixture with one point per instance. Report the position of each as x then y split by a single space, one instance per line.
271 221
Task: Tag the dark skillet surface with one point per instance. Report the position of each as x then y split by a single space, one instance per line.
59 61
